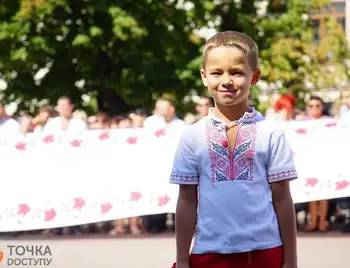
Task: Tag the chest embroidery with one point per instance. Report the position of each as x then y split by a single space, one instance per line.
236 165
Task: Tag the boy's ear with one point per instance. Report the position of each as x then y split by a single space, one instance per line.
256 76
204 77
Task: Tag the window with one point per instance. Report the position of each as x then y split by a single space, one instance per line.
316 26
336 10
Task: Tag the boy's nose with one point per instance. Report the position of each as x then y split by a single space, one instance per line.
227 80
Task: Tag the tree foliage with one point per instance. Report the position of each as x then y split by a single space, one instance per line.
127 53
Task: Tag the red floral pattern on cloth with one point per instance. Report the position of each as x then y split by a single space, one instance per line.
134 203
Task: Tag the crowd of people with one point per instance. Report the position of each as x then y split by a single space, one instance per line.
64 119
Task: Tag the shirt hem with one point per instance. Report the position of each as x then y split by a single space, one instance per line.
184 182
262 246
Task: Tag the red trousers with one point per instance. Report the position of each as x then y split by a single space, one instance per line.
267 258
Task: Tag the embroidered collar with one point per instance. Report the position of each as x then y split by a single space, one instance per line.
247 118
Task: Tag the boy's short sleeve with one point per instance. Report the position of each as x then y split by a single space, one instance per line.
280 164
184 169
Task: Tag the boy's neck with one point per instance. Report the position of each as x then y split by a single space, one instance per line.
231 113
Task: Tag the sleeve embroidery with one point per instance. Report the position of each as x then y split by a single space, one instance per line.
282 175
184 178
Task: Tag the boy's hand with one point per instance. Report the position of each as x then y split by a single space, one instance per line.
289 265
183 265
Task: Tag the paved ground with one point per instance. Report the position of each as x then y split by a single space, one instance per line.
326 251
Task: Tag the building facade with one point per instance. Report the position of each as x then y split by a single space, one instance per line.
339 9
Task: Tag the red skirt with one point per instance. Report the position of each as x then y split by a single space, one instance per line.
267 258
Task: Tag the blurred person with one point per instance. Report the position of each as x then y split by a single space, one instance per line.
190 119
344 103
284 108
80 114
121 121
315 109
138 118
46 112
8 126
318 210
345 114
164 118
99 121
65 122
26 124
203 107
271 111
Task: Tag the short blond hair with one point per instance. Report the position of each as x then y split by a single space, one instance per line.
234 39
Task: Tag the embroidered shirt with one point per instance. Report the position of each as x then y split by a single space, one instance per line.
235 200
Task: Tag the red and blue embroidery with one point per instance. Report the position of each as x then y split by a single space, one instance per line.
236 166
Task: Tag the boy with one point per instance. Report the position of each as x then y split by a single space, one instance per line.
241 166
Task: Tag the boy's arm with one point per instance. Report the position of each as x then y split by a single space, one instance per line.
185 173
284 208
280 171
186 218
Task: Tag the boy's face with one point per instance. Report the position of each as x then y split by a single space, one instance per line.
228 76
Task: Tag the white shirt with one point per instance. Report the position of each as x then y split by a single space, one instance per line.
155 123
345 120
54 126
9 129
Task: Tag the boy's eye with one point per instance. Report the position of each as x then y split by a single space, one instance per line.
237 73
215 73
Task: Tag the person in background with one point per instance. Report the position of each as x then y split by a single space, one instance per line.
46 112
25 124
164 118
318 210
99 121
121 121
203 107
8 126
80 114
138 118
65 122
284 108
315 109
345 113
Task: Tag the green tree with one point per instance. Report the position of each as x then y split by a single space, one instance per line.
123 54
291 60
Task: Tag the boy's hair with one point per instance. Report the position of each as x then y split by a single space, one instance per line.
234 39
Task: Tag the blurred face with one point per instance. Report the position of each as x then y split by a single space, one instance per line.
44 116
137 120
97 123
203 107
315 108
64 108
228 76
114 125
126 123
162 108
